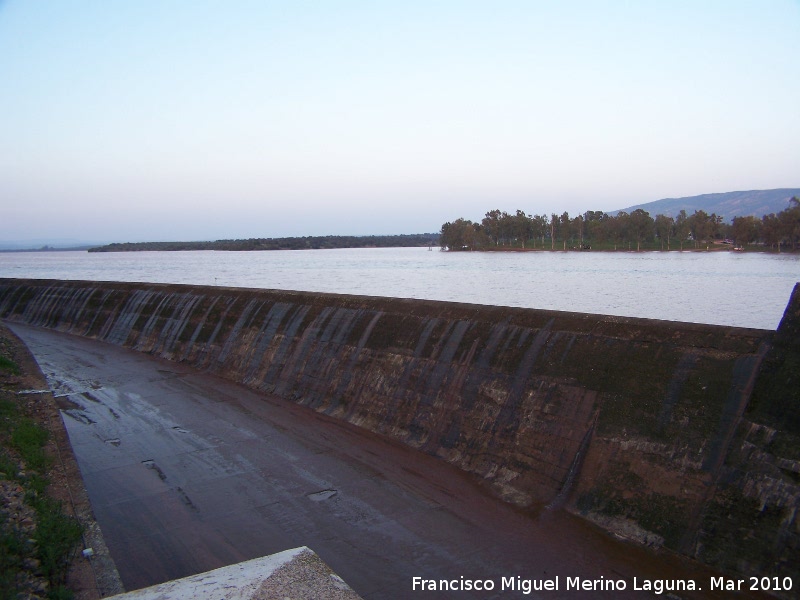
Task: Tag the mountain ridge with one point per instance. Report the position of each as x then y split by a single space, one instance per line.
725 204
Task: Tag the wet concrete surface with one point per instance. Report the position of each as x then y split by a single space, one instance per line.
187 473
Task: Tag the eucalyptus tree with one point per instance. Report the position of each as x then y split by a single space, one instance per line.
621 224
641 226
682 227
771 230
523 226
790 221
596 226
461 234
576 227
565 228
506 228
664 226
783 228
540 226
491 225
745 230
705 227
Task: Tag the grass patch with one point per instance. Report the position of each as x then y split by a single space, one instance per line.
8 467
13 549
8 414
56 536
29 440
8 366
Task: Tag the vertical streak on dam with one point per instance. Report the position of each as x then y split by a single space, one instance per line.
673 434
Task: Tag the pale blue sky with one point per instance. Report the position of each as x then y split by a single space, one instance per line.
168 120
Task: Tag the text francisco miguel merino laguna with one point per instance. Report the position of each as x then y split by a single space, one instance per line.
656 586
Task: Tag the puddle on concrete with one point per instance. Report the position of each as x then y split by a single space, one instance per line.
91 398
65 404
322 495
151 464
167 374
185 499
79 416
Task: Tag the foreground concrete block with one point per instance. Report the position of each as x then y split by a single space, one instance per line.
291 574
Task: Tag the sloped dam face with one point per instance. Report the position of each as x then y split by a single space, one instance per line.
666 433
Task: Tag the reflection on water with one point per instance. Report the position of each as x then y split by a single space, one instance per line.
724 288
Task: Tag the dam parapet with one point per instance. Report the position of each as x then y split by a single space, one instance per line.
670 434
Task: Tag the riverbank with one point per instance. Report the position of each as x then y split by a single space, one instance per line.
46 520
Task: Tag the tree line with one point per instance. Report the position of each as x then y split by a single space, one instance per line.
623 231
286 243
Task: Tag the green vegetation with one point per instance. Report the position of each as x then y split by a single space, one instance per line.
8 366
36 537
288 243
29 440
664 515
56 537
597 230
733 520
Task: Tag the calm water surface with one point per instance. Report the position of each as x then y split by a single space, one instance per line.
724 288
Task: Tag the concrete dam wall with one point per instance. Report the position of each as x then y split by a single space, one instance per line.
673 434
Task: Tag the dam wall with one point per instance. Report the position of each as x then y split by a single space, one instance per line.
670 434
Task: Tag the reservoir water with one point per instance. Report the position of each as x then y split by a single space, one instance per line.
722 288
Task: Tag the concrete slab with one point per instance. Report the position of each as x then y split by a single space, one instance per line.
297 573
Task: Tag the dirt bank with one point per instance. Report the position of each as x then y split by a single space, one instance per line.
87 579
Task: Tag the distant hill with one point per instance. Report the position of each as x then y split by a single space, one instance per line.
728 204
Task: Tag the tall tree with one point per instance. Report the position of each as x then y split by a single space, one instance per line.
491 225
641 226
664 226
745 230
540 227
619 229
790 222
523 227
507 228
564 220
682 227
596 226
771 230
577 229
702 226
461 234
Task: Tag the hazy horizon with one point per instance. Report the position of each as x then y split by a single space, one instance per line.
155 121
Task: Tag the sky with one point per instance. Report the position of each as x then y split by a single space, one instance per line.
198 120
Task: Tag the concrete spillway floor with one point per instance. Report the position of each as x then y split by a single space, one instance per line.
187 472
